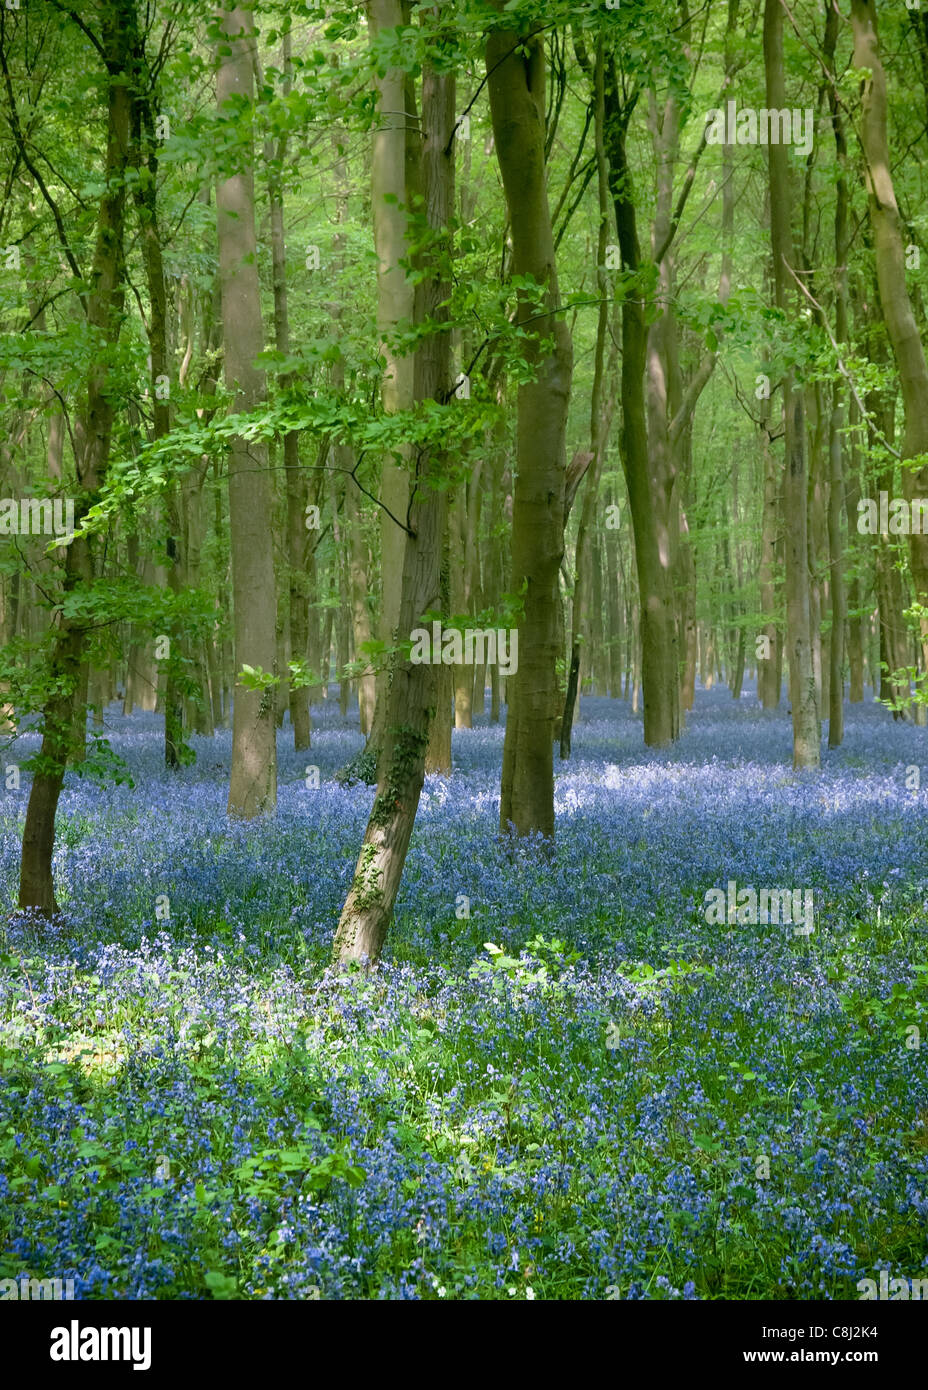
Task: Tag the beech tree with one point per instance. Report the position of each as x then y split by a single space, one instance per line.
890 257
412 689
253 778
806 731
516 84
103 304
393 173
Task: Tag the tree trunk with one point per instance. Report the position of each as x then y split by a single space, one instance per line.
145 195
462 675
253 779
889 251
855 622
365 917
93 434
358 589
647 507
298 600
516 83
599 425
393 154
836 502
614 627
806 732
768 676
438 752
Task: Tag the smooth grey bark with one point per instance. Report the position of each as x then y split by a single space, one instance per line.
253 779
806 731
366 914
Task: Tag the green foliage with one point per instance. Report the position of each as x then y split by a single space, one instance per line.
539 964
361 768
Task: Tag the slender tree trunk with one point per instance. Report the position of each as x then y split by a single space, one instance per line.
281 633
647 507
358 589
893 654
836 501
462 675
394 150
369 906
688 615
614 607
145 195
472 581
768 676
598 424
497 583
176 666
438 752
253 780
597 629
889 251
855 623
516 83
328 626
141 669
806 732
297 694
92 439
818 416
299 597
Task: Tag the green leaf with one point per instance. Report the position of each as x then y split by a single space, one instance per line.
220 1285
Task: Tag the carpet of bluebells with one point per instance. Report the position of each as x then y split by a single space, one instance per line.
579 1090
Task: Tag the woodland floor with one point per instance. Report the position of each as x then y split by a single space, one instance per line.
191 1107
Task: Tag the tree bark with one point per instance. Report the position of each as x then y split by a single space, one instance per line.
806 732
855 622
298 598
836 501
253 779
366 914
93 435
599 424
516 83
394 149
889 251
647 495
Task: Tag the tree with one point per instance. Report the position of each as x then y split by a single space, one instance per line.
412 688
253 779
889 253
395 147
515 65
806 732
296 490
92 439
